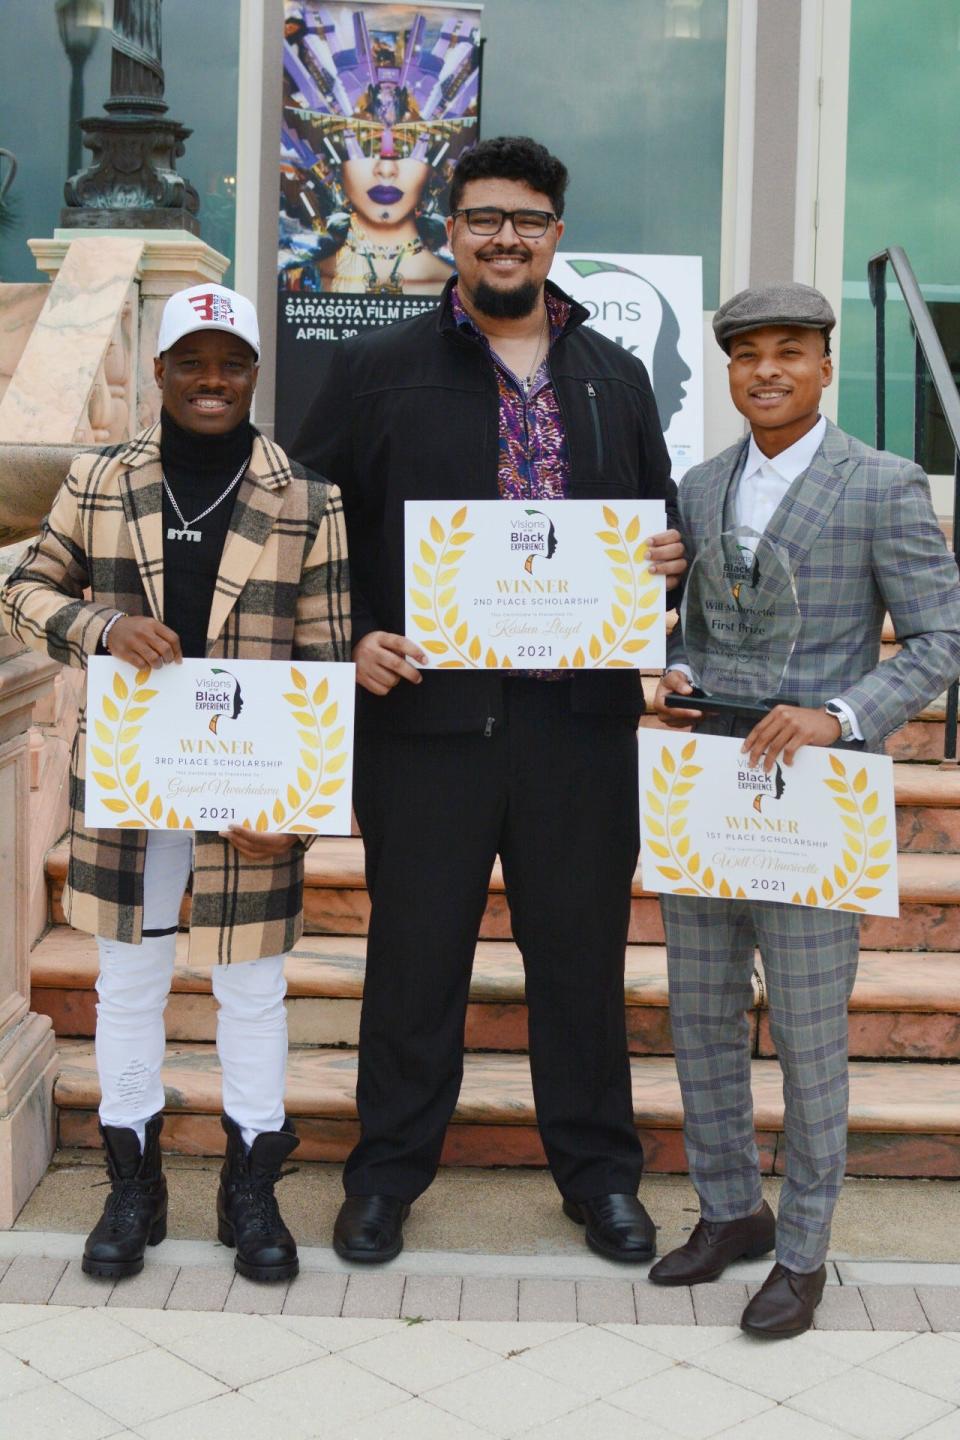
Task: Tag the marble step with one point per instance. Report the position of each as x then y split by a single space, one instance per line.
928 808
904 1119
904 1006
336 901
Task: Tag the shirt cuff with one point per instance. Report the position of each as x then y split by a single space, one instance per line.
854 723
682 669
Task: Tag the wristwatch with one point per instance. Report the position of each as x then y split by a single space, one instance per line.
842 719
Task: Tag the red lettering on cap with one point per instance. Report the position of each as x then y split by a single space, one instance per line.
212 307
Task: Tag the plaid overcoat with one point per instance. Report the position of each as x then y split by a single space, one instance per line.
863 539
282 592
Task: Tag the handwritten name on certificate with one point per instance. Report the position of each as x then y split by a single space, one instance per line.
534 584
819 832
263 743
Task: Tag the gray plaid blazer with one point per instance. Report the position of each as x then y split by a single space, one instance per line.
863 539
283 590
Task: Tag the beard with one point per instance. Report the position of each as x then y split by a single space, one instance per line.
512 304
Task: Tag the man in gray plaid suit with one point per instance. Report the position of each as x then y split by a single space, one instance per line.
863 540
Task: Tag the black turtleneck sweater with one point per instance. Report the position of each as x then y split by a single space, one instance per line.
198 469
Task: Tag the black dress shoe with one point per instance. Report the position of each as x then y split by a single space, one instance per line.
369 1228
713 1245
618 1227
784 1304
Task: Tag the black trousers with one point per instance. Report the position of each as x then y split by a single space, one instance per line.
555 794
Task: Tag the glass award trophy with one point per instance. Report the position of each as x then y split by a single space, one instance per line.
741 618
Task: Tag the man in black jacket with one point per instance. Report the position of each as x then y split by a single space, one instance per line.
500 393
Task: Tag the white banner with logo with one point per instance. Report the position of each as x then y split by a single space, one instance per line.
652 305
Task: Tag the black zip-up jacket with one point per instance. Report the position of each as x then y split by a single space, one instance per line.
411 412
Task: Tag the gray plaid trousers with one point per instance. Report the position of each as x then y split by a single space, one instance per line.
810 962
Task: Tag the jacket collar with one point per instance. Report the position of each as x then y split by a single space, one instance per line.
269 465
446 323
807 504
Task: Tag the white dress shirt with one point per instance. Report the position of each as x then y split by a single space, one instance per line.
764 482
762 485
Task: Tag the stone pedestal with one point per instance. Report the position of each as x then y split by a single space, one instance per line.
170 260
27 1048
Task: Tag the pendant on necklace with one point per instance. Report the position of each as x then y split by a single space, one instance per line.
174 534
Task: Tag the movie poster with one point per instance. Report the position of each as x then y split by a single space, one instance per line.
379 102
652 305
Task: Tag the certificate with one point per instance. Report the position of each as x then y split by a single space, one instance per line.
263 743
535 584
819 832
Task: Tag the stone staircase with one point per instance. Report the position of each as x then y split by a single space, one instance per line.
904 1015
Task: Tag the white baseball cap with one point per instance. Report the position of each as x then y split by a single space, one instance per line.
208 307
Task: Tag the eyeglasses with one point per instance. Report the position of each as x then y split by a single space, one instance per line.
490 220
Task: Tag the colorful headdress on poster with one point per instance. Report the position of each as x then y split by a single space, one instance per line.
388 74
365 82
384 90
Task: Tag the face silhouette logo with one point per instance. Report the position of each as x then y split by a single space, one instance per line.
536 536
228 698
744 570
635 314
763 786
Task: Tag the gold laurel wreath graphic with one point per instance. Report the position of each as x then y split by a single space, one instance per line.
439 617
320 756
862 841
117 730
666 818
864 846
320 759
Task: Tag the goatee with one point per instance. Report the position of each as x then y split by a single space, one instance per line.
506 304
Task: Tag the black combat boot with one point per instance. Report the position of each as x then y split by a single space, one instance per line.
135 1212
248 1216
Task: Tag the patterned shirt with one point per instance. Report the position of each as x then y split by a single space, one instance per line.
534 461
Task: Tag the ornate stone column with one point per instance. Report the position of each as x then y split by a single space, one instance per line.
27 1048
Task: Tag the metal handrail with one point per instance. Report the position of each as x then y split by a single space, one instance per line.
929 359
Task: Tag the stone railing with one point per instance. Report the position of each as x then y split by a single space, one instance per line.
27 1047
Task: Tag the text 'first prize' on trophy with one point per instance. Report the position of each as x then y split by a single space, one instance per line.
740 620
535 584
267 744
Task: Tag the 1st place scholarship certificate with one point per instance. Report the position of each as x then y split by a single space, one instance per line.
534 584
209 743
820 832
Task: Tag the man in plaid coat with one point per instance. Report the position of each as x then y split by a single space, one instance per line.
863 540
197 537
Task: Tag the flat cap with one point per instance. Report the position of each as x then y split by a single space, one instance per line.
786 304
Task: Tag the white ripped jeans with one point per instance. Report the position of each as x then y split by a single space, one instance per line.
133 987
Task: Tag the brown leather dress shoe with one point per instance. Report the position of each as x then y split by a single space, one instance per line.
713 1245
784 1304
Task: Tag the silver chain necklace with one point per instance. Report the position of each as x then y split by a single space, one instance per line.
535 364
186 531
